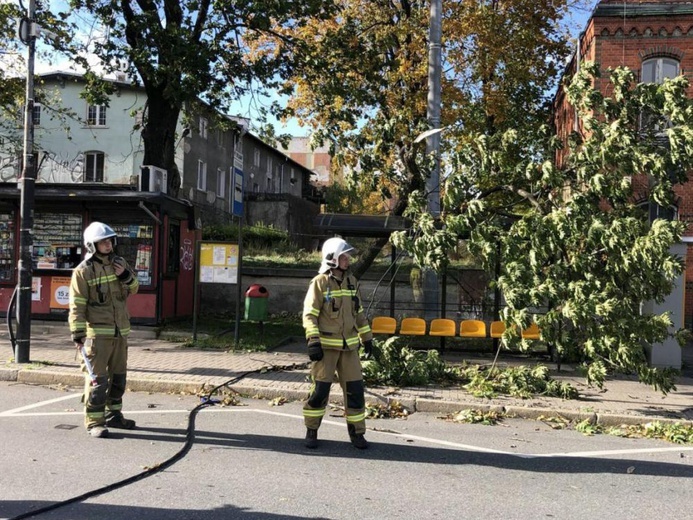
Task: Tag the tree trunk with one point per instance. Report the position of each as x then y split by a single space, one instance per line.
369 256
159 135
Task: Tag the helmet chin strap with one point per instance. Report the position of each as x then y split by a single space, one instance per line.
338 269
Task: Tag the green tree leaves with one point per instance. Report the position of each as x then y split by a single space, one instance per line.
576 249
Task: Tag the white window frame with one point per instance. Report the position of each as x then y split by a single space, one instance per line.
646 122
654 211
93 157
98 118
201 175
37 114
221 183
203 126
659 68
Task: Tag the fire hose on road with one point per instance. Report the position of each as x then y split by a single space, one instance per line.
206 401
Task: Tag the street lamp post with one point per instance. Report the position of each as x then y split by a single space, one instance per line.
430 279
27 181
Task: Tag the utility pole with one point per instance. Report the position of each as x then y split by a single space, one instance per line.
430 279
28 31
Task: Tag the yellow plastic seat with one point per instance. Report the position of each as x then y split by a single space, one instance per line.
413 327
442 327
497 329
531 332
472 329
383 325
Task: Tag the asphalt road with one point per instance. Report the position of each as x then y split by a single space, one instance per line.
249 462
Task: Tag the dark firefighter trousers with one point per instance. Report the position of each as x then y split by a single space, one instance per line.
109 358
348 367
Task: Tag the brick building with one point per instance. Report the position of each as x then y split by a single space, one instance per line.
316 159
654 38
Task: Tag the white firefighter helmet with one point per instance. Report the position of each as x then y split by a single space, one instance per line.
95 232
332 249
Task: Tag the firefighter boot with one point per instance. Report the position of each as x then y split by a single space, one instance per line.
99 431
311 438
357 439
116 420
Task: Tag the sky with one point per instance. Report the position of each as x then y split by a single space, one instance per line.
248 106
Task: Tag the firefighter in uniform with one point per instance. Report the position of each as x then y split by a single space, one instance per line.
335 325
99 322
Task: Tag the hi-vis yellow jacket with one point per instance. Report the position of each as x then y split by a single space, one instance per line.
332 311
98 297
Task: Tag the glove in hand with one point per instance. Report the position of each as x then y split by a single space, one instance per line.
368 348
315 350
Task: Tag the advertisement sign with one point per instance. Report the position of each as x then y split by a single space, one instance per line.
60 292
35 289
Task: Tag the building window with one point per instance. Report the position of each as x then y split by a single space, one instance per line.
656 70
96 115
256 158
201 175
221 183
37 114
93 166
655 211
203 128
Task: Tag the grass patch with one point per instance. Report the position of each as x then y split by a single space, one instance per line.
218 333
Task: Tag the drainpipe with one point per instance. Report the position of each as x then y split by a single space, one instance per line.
577 69
281 175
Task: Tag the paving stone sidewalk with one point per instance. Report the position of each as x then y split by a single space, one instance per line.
157 365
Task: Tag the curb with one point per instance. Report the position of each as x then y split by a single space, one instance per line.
415 404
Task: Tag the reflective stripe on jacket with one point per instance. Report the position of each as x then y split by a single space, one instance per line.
98 299
333 312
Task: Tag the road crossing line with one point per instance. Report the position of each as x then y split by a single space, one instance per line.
22 412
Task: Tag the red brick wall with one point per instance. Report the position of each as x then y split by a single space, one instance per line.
614 41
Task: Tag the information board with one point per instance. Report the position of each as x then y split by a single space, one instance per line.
218 262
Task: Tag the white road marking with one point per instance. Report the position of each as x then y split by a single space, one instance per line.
16 411
579 454
606 453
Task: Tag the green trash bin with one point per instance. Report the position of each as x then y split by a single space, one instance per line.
256 298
